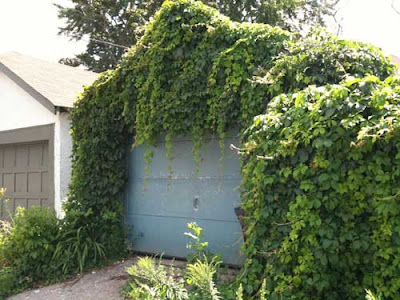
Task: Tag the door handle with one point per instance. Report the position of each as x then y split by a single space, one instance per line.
196 203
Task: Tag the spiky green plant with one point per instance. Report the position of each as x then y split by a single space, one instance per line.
201 275
151 281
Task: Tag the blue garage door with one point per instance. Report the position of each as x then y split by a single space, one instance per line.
160 210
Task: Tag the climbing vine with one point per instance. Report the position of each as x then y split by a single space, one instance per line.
100 143
194 72
321 175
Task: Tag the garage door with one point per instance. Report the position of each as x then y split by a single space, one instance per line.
159 211
24 172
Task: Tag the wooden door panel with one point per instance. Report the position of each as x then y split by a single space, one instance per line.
24 172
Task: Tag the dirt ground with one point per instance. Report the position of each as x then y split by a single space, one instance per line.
105 283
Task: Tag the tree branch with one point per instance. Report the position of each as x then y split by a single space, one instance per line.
335 16
394 8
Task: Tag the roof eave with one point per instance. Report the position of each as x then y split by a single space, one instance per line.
63 108
27 88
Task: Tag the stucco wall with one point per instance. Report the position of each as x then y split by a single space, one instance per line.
18 109
62 156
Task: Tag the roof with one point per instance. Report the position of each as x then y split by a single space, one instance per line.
50 83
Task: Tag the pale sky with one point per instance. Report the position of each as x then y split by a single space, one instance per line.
30 27
372 21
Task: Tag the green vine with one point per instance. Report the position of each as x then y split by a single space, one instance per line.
320 170
196 72
101 140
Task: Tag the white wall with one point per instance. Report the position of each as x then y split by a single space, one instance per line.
19 109
62 160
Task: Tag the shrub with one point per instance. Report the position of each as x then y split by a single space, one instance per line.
30 244
37 247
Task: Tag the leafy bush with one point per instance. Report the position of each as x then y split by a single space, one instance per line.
321 175
99 172
321 58
30 244
27 245
36 246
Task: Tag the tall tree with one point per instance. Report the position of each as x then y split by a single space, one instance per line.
112 26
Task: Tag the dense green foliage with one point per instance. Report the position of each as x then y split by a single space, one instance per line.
190 67
101 139
321 175
195 71
36 247
27 247
113 24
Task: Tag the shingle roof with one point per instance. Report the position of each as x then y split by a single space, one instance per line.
58 83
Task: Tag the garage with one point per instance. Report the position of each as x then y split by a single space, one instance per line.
35 145
160 205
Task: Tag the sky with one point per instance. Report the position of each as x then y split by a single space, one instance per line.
372 21
30 27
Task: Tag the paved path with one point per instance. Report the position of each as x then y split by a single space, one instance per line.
102 284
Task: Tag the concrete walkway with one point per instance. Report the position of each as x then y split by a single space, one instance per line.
105 283
101 284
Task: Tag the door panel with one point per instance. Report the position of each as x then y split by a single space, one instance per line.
24 173
165 235
159 207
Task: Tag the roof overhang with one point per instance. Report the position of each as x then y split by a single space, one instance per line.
27 88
